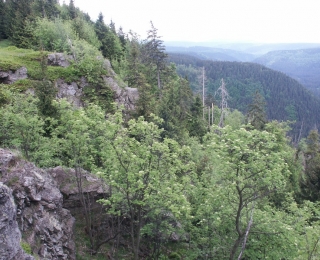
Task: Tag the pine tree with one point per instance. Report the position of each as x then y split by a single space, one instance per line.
72 10
155 52
110 44
256 112
122 38
20 13
2 20
146 102
46 8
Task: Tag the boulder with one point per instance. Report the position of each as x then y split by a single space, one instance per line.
58 59
10 76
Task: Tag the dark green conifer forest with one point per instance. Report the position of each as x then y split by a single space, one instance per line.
235 177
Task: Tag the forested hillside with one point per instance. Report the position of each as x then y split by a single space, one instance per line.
302 65
285 98
183 181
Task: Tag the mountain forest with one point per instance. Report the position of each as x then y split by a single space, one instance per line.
212 160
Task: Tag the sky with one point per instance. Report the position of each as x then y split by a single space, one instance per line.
257 21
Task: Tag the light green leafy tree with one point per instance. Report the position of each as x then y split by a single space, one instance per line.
82 136
247 167
151 180
22 128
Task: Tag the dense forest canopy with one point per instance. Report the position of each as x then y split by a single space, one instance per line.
188 182
303 65
285 98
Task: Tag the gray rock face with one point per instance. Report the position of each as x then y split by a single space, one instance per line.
72 92
58 59
123 96
9 77
10 235
92 187
44 223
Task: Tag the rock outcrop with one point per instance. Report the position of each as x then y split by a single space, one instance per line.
58 59
123 96
71 91
92 187
10 236
10 76
45 225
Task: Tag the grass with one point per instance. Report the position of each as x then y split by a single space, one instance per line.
12 58
5 43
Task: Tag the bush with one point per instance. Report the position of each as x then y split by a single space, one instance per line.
54 35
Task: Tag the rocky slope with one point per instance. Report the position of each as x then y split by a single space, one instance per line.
42 205
45 225
72 91
10 235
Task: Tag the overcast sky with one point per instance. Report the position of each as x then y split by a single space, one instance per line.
267 21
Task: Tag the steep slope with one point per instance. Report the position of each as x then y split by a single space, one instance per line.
302 65
286 99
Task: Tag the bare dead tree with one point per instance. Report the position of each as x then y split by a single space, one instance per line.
224 95
203 75
212 113
247 232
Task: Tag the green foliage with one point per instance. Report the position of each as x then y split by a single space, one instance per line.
53 35
2 20
18 16
26 247
22 128
110 44
46 8
310 183
231 191
256 115
5 43
85 31
235 119
285 98
46 93
150 180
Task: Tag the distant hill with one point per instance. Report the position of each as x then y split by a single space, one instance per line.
256 49
209 53
302 65
286 98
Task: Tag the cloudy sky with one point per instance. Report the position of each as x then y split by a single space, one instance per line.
267 21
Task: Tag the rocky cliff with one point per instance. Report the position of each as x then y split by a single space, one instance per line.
10 235
72 91
45 225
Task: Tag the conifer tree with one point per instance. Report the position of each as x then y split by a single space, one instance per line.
21 15
256 112
2 20
110 44
311 183
72 9
155 52
122 38
46 8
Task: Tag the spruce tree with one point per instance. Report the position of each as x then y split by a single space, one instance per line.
46 8
256 115
72 10
2 20
17 18
155 52
110 43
